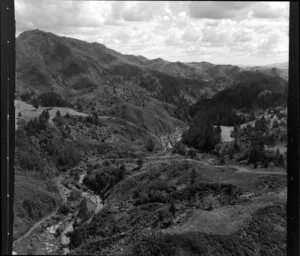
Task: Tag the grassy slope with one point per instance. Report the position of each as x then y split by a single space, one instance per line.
31 186
140 205
120 140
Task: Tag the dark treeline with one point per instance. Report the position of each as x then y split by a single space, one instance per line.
220 108
218 114
202 134
46 99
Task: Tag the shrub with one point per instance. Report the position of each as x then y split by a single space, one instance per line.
68 157
179 149
106 163
221 159
193 176
118 174
261 125
35 102
192 153
34 126
172 209
275 124
63 209
139 162
150 144
74 195
93 118
30 161
26 96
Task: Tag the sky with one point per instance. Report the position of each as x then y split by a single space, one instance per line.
239 33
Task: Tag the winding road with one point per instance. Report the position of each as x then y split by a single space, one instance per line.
37 224
162 155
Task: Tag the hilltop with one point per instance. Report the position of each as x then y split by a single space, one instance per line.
73 67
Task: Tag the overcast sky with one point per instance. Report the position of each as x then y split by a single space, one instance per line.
251 33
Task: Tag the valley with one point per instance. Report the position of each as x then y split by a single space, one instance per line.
121 155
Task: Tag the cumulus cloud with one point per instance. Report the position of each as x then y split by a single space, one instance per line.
220 32
244 35
218 10
141 11
192 34
268 11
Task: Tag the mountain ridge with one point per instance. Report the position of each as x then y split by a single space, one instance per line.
74 68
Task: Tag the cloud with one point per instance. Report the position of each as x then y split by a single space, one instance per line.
173 30
218 10
173 37
192 34
269 43
220 34
244 35
268 11
141 11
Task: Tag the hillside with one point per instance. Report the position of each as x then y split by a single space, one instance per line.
137 156
163 209
72 67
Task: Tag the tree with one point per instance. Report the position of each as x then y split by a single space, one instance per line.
68 157
35 102
252 116
74 195
218 129
93 118
172 208
235 132
256 152
58 114
281 160
178 148
79 107
261 125
44 117
193 176
63 209
192 153
26 96
276 157
265 162
58 119
202 134
30 248
150 144
221 159
275 124
139 162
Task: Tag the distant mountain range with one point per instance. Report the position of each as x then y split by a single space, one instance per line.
74 68
276 69
281 65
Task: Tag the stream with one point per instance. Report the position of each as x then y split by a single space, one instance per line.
48 241
94 203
